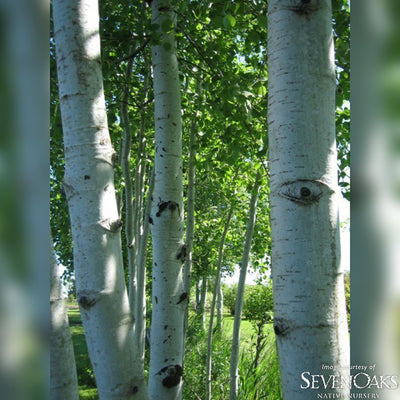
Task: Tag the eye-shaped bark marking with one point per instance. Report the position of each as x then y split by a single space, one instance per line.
111 225
304 191
164 205
86 301
281 327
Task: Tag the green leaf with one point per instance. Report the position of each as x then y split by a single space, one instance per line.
262 21
229 21
261 90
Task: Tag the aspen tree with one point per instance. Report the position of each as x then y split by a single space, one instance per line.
89 188
169 251
63 378
233 393
309 303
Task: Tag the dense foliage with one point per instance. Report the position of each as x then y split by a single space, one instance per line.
222 55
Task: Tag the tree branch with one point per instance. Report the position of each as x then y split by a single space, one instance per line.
136 51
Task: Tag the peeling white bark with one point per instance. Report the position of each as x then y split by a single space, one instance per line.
89 188
310 317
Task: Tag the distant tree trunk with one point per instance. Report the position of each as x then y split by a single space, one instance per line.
168 296
63 378
240 291
187 272
134 196
190 209
140 303
309 303
130 232
89 187
213 303
201 309
220 307
259 343
198 294
139 203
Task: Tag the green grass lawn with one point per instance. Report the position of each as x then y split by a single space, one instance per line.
87 384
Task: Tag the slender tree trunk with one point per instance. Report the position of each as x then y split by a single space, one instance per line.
198 294
213 303
201 310
190 208
89 187
63 378
138 204
140 303
259 343
168 297
141 233
240 291
130 233
220 307
187 271
309 303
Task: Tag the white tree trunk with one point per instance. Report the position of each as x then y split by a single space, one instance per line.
63 378
202 303
140 303
190 208
89 188
187 271
138 223
240 291
168 297
198 294
130 231
220 307
309 305
217 284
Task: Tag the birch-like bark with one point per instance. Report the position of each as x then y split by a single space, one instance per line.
240 291
138 206
63 377
190 209
309 303
139 222
130 231
89 187
187 271
168 296
201 295
140 302
198 289
219 307
203 301
217 283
